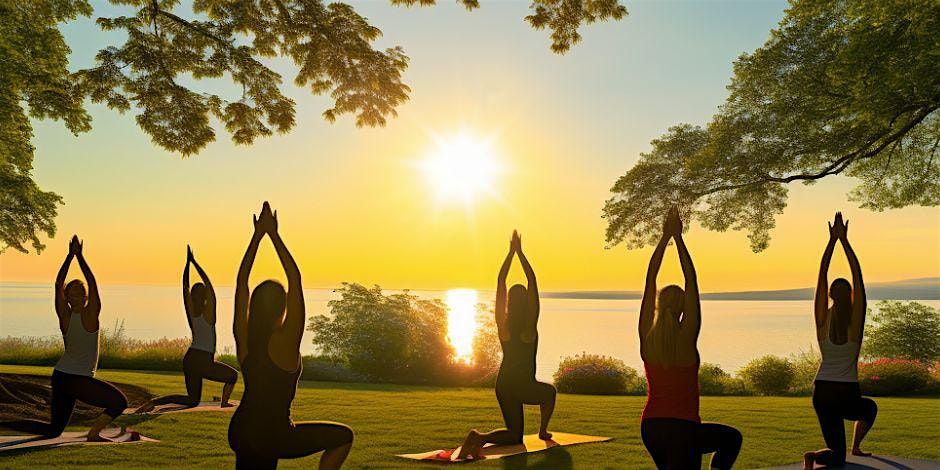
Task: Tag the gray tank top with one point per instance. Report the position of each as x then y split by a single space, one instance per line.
839 361
203 335
81 349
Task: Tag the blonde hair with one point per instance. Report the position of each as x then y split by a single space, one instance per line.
662 339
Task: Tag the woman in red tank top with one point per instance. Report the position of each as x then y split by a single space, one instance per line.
669 325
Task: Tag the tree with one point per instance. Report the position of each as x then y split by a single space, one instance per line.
841 87
903 330
331 45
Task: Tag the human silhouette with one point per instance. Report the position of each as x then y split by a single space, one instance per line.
669 325
73 377
268 327
199 362
839 329
517 316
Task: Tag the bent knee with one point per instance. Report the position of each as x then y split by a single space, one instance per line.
117 408
871 411
344 435
735 437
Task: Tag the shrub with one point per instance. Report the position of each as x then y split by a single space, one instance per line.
903 330
713 380
591 374
805 365
392 338
768 375
893 377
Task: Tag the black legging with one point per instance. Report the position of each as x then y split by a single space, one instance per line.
199 365
261 448
678 444
835 402
66 389
511 397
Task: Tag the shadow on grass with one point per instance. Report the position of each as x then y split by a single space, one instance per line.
554 458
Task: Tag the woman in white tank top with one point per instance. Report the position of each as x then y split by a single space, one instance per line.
839 328
73 377
199 362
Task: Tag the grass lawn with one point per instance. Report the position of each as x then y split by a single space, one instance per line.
391 419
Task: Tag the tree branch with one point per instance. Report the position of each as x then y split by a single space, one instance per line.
835 167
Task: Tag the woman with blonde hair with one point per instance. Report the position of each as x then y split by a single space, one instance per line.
670 320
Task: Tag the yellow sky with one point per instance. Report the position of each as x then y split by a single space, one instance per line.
353 206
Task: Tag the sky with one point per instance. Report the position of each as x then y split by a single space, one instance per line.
354 205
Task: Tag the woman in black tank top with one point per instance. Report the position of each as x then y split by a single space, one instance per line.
269 325
516 320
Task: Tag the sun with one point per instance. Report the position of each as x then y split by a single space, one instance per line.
461 168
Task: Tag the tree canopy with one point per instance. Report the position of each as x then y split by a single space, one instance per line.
840 87
165 50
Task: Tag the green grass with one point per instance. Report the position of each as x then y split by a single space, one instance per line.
392 419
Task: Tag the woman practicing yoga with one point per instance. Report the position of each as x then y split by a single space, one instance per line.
199 362
839 328
267 340
73 377
669 326
517 325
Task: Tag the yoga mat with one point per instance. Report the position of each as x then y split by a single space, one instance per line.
8 443
530 443
176 408
877 462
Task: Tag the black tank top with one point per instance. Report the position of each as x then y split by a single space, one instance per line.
518 360
269 390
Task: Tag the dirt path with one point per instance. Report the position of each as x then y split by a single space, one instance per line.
27 397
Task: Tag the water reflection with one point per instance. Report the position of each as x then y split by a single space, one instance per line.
461 322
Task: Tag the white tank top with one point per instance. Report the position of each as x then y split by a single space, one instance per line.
81 349
203 335
839 361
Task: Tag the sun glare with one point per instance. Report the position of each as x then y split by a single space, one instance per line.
461 322
461 168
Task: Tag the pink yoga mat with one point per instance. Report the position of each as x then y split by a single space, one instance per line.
8 443
530 443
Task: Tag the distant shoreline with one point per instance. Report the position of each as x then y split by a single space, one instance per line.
913 289
927 288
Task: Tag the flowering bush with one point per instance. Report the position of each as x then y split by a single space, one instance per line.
893 377
592 374
768 375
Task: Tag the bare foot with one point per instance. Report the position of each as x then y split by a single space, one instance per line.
860 453
227 405
471 446
545 435
98 438
809 461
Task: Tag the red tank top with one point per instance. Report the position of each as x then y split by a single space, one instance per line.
672 392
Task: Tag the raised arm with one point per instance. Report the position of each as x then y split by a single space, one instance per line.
93 307
240 320
61 306
209 312
292 329
691 313
671 226
187 297
502 315
859 300
532 292
821 308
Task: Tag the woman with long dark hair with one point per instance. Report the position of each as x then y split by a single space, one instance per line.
839 329
517 316
669 325
268 327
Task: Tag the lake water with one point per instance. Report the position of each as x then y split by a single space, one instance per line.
733 332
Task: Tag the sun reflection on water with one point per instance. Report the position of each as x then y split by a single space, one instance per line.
461 322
